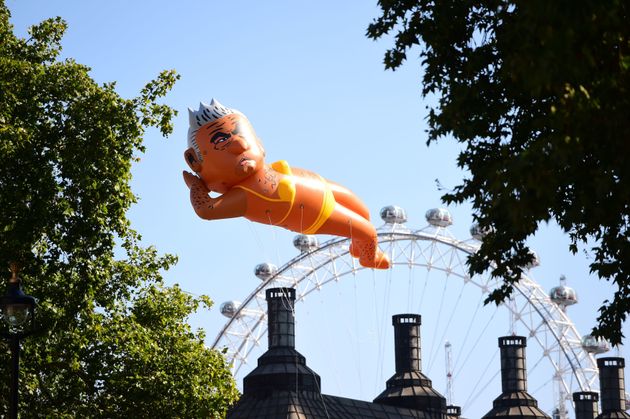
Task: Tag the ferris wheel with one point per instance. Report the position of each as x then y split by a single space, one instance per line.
541 317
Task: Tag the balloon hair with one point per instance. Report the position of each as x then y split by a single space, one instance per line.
204 115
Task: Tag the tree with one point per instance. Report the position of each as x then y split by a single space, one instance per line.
113 340
538 94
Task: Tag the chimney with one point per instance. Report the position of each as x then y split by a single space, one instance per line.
585 404
407 342
611 388
280 317
281 368
513 370
514 401
408 387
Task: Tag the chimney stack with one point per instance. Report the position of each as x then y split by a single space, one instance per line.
514 401
280 317
281 368
611 388
407 342
513 370
585 404
408 387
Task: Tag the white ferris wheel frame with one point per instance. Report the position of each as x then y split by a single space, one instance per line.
432 247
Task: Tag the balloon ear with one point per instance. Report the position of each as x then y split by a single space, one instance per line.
192 160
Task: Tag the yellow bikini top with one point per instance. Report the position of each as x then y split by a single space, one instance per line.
286 186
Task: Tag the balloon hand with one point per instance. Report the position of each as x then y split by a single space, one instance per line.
194 182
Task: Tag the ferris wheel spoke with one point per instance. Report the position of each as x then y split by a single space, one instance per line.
479 338
542 358
411 286
468 329
473 395
446 327
437 323
424 291
543 385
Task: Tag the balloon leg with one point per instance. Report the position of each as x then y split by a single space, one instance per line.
347 223
346 198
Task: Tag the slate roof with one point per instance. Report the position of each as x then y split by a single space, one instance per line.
412 389
614 415
516 404
311 405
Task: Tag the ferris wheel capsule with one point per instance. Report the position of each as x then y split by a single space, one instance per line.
305 243
393 214
230 308
563 295
535 262
265 270
594 345
478 233
439 217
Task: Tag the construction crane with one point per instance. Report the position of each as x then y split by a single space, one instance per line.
448 353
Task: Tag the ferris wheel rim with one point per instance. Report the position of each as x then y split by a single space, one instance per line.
339 241
573 352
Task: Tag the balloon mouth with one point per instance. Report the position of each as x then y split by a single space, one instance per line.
247 165
244 161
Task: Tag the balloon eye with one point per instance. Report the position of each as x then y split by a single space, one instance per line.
219 138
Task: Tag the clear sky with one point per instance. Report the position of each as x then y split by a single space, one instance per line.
316 92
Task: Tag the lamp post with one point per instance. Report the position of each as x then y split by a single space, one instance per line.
17 311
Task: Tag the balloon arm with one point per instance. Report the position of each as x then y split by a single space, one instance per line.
231 204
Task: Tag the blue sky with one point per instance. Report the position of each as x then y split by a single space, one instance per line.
316 92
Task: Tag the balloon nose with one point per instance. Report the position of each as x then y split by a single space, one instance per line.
238 145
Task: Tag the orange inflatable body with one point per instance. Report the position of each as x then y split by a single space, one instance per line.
228 158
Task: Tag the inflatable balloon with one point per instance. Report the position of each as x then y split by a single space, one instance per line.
228 159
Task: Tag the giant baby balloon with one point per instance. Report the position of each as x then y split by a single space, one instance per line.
228 158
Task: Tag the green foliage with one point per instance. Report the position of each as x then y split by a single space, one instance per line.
113 340
538 93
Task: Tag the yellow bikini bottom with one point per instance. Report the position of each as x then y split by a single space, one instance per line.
287 192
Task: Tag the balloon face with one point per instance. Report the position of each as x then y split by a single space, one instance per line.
230 152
